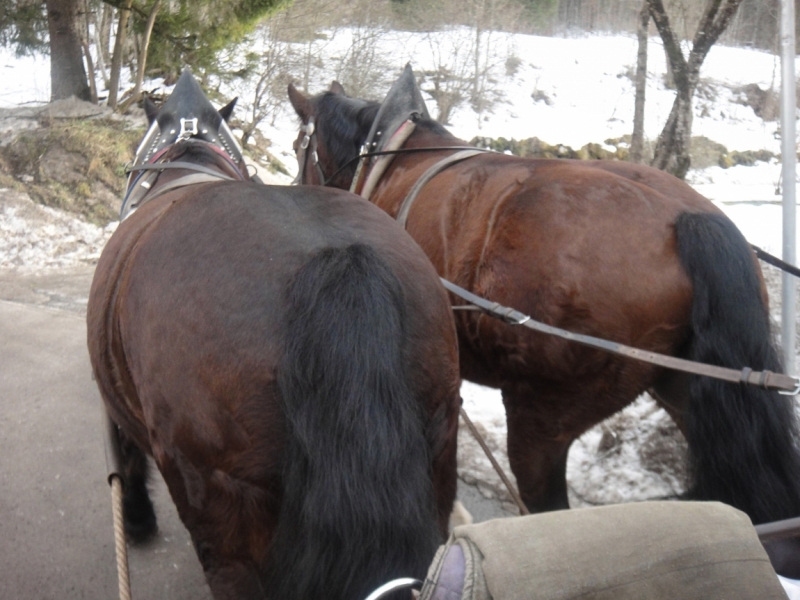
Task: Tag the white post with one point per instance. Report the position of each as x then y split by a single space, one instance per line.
789 161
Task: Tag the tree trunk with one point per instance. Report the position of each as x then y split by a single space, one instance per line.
90 64
119 49
67 74
637 138
98 43
87 52
672 148
104 36
148 30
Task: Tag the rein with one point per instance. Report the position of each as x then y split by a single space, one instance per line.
783 384
775 261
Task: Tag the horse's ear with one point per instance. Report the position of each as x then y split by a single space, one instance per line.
300 103
227 110
150 110
336 88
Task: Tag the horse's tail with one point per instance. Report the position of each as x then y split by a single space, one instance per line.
742 439
358 503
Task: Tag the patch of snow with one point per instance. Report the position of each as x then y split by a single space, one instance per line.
35 238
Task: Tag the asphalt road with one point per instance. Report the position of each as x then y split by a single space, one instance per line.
56 535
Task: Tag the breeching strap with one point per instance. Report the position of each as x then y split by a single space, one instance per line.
769 380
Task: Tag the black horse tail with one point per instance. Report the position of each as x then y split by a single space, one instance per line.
742 439
358 503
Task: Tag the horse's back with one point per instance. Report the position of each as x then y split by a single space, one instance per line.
583 246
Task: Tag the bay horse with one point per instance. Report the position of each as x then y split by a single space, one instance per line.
614 250
287 357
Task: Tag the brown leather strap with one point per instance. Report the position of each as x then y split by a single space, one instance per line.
785 384
405 207
779 530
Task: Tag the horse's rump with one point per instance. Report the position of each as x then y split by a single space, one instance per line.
189 317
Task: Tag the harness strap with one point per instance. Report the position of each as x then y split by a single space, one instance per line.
382 163
784 384
775 261
182 165
405 207
192 179
309 139
133 200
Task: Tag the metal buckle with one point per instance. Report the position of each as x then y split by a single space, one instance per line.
185 133
393 586
795 391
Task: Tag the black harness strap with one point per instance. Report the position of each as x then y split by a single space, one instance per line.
775 261
784 384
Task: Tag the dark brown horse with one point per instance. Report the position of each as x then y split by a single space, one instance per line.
610 249
287 357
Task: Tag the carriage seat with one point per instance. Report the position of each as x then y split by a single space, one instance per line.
653 550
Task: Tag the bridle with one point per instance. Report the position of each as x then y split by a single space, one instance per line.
143 178
309 142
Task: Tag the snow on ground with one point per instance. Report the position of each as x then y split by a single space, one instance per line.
589 98
35 238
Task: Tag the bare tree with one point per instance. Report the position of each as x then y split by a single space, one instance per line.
270 86
119 48
363 69
637 139
142 63
672 148
451 81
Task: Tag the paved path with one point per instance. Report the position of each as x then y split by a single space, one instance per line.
56 536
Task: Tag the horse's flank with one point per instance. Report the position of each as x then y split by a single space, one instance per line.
188 324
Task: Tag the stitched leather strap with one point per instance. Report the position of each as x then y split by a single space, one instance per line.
785 384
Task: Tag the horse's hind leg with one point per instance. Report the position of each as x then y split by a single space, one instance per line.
139 515
537 454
